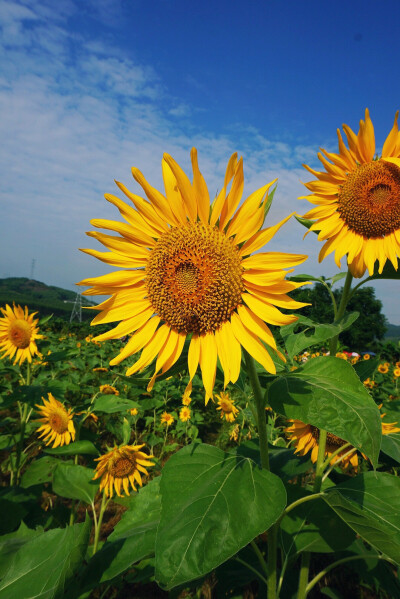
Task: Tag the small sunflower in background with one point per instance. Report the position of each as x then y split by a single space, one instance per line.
396 372
121 467
57 424
133 411
100 369
383 368
186 399
227 406
108 390
18 334
193 271
167 419
366 357
185 414
357 200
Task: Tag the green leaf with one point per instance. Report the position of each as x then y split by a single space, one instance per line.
77 448
337 278
42 566
312 526
327 393
133 537
391 446
207 496
110 404
12 542
370 505
40 471
365 368
313 333
75 482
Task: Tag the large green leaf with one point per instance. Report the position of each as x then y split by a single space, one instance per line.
213 504
40 471
365 368
42 566
312 526
391 446
133 538
78 448
313 332
75 482
327 393
370 505
12 542
110 404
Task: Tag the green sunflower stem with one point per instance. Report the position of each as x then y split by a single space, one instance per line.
98 522
260 408
341 310
24 419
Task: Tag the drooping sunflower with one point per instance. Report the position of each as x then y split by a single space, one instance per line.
57 424
18 333
108 390
121 467
190 274
358 200
306 438
167 419
227 406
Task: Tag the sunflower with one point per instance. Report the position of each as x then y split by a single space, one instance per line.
18 333
186 399
366 357
120 467
227 406
58 427
133 411
306 437
185 414
190 274
383 368
358 200
108 390
396 372
167 419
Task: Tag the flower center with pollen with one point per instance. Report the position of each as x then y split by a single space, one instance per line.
123 467
369 200
20 333
58 422
331 439
194 278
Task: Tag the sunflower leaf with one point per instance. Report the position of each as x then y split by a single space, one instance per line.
111 404
75 482
79 447
314 332
370 505
41 568
326 392
202 512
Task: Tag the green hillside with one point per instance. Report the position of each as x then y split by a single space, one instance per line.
393 332
45 299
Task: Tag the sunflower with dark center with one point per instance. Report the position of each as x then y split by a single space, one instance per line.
306 438
358 200
108 390
57 424
227 407
18 333
190 273
121 467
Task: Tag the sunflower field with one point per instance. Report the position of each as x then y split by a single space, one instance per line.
204 438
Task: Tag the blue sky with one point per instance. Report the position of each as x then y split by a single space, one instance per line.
90 89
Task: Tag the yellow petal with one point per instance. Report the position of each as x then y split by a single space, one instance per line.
251 344
208 362
200 189
261 238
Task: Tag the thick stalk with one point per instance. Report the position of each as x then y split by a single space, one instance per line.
97 525
259 401
24 419
321 464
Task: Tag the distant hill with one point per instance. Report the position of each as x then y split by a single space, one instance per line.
45 299
393 332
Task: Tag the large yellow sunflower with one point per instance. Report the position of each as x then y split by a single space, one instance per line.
57 424
18 333
358 200
190 274
121 467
